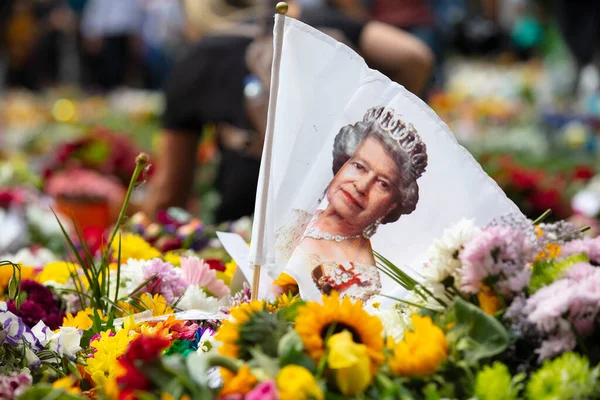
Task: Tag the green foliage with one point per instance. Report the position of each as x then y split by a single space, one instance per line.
476 335
97 275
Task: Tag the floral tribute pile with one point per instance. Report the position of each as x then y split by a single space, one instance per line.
507 311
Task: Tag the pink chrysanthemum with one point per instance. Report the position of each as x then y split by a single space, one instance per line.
571 302
168 282
589 246
198 273
499 252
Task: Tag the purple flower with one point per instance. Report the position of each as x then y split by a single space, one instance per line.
12 328
168 281
15 384
499 252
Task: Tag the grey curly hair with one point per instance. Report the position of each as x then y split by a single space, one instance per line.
411 162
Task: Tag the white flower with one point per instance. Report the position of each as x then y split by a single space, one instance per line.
42 333
132 276
33 361
66 341
394 322
443 253
206 339
195 298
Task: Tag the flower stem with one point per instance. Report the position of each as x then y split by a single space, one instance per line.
140 162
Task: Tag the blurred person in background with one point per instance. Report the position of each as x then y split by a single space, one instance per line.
162 36
224 81
111 30
579 22
32 35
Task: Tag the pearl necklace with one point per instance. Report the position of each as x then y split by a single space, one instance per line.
315 233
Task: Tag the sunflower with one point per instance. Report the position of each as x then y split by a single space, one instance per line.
315 321
287 284
421 351
229 332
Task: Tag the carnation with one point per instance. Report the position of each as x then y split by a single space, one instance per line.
15 384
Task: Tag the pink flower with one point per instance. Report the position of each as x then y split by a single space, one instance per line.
500 252
81 183
266 390
168 280
198 273
589 246
573 301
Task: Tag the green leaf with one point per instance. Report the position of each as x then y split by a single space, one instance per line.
477 334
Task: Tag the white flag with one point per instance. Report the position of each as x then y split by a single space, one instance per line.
358 164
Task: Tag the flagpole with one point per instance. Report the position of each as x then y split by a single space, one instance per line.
265 166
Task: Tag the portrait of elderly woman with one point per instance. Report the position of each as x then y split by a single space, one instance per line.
376 165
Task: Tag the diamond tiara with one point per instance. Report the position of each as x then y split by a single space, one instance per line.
405 134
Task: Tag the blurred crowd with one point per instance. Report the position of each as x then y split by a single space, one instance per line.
103 44
211 59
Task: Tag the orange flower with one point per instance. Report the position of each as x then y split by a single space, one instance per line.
240 383
488 301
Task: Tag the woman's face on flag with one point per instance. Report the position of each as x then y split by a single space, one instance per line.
365 189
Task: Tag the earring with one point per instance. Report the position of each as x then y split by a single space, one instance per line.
371 229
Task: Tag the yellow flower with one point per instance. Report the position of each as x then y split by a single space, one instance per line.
134 246
488 301
228 333
350 363
173 258
285 300
6 272
58 271
102 367
227 275
82 320
68 384
241 383
157 304
314 322
421 351
287 283
297 383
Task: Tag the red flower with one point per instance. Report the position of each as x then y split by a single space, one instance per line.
215 264
583 172
544 199
131 381
145 348
525 179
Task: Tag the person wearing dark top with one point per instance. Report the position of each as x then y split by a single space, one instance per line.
214 84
